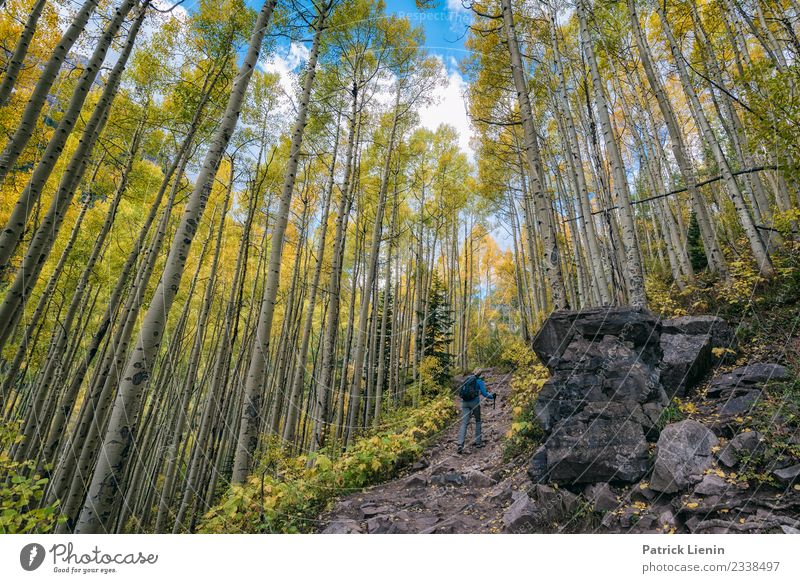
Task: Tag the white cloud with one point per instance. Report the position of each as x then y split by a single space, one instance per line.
449 107
459 16
286 63
456 6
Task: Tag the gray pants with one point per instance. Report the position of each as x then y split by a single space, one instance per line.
470 409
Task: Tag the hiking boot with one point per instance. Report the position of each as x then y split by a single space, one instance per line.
478 445
460 449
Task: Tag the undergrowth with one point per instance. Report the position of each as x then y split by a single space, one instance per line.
21 490
287 493
528 378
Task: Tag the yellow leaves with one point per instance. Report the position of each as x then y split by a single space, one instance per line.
644 485
797 487
719 351
692 505
640 505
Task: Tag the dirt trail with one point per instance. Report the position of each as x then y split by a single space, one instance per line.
444 492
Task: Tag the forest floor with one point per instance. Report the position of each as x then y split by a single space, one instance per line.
444 492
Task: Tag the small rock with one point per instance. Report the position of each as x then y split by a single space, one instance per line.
478 479
788 475
343 527
416 481
601 496
370 510
748 443
667 520
683 454
521 516
378 525
420 465
728 456
712 485
746 378
500 495
789 530
740 405
642 492
451 478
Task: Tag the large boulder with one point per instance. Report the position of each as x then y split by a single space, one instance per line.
604 442
604 396
683 454
638 326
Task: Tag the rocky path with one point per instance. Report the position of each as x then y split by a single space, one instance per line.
444 492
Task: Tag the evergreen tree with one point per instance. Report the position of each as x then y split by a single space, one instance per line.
438 328
697 252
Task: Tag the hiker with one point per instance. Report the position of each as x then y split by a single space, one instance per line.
470 392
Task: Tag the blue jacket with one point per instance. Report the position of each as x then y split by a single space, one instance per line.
482 388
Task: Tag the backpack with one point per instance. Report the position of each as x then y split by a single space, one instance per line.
468 391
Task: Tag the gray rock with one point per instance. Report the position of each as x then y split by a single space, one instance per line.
553 505
728 456
521 516
477 479
667 520
500 495
746 378
369 510
378 525
602 497
737 406
416 481
642 492
448 478
686 358
712 485
602 443
683 454
537 467
420 465
720 333
748 443
789 529
343 527
635 325
788 475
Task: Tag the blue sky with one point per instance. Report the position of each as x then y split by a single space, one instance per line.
444 28
444 25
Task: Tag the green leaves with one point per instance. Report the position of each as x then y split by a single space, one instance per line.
21 491
288 492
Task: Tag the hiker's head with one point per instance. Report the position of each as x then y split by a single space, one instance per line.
478 372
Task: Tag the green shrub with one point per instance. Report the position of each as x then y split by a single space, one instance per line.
21 491
287 493
528 378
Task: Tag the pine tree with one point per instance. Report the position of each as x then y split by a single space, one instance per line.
438 328
697 252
